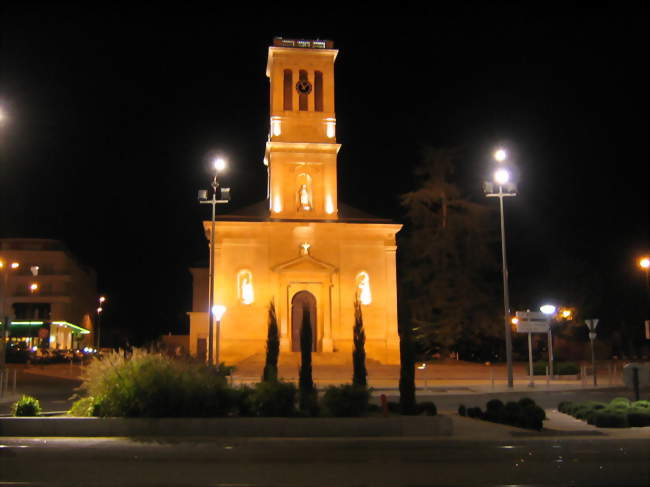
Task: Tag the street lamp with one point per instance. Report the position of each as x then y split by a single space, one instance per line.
5 268
100 309
549 310
219 164
505 188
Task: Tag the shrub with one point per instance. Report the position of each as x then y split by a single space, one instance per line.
494 411
641 404
273 399
154 385
532 416
610 418
564 406
84 407
513 414
526 401
475 412
620 402
346 400
559 368
270 372
462 410
427 407
243 400
638 416
26 406
394 407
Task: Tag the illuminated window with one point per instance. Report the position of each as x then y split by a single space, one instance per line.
318 91
245 291
288 90
303 91
363 288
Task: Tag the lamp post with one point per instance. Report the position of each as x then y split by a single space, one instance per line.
219 164
218 310
549 310
505 188
5 268
644 263
100 309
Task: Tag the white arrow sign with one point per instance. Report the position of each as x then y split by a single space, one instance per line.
592 324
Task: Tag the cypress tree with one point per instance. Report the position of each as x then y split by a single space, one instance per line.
306 383
270 373
359 353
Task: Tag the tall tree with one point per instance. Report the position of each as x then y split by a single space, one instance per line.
359 375
270 373
306 391
449 268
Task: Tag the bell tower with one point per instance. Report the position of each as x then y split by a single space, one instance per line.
301 152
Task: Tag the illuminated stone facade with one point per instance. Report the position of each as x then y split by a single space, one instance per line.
298 247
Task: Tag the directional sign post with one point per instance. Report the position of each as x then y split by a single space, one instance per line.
531 322
592 324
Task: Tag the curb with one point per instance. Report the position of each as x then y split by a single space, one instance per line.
229 427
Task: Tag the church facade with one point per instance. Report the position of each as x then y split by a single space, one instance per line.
299 248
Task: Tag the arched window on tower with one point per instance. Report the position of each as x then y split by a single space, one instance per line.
304 88
318 91
288 90
245 291
303 194
363 293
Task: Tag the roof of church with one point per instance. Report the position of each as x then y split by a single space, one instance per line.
260 212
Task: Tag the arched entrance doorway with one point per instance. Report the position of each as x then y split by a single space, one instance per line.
303 306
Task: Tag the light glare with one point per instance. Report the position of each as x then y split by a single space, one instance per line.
644 262
500 155
547 309
218 310
219 164
501 176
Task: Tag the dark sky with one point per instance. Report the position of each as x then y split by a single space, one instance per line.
113 113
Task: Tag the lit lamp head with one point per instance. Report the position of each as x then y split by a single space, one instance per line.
102 299
33 287
500 155
547 309
501 176
219 164
644 263
218 310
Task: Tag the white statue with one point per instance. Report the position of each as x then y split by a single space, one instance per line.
303 194
365 296
246 290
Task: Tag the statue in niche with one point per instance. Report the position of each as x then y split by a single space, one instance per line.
303 196
246 289
365 296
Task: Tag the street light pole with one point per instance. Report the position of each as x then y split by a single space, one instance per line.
502 178
6 319
219 165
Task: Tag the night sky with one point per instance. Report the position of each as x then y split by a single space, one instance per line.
114 113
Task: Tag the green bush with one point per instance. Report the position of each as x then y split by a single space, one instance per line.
641 404
610 418
427 407
620 402
346 400
526 401
494 411
532 416
86 406
559 368
242 397
564 406
155 385
638 416
513 414
273 399
26 406
475 412
462 410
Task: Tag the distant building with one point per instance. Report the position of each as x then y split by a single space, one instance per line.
50 297
300 248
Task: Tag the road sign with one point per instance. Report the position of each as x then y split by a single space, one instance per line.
592 324
532 322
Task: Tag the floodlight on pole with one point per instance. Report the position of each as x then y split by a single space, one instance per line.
504 189
500 155
218 164
549 310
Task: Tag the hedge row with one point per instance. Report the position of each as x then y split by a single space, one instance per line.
154 385
618 413
523 413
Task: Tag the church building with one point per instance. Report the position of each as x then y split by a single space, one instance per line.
300 247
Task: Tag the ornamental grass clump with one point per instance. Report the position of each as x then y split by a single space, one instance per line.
26 406
154 385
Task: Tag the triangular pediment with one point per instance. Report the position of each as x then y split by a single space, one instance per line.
304 263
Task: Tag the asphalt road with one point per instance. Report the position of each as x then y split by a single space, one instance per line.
322 462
